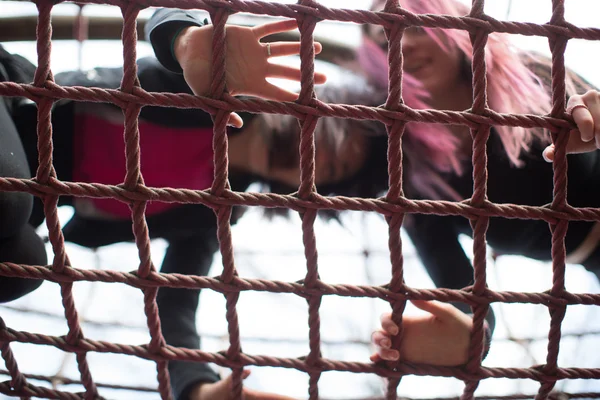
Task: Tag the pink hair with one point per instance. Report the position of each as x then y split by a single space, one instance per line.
511 86
431 142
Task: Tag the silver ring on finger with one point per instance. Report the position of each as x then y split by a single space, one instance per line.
268 49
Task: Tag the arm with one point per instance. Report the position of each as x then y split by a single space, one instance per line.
184 44
15 68
163 28
437 245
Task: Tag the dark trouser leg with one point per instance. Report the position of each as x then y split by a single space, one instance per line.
191 233
592 264
18 242
177 307
15 207
62 136
25 247
188 256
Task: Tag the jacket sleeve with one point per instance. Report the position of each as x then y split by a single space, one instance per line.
437 245
166 75
162 29
177 308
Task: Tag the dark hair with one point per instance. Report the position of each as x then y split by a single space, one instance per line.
371 180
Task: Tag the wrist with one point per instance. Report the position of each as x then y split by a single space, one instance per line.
174 40
179 42
190 38
195 392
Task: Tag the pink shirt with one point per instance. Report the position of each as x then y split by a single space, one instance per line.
176 158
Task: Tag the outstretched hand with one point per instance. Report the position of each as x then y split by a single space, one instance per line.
222 391
585 110
246 60
441 338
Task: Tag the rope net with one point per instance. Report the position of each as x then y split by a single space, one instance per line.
307 201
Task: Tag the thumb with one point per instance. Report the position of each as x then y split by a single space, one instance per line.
438 309
235 120
575 145
220 390
548 153
255 395
229 380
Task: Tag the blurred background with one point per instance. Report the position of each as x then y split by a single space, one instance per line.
351 252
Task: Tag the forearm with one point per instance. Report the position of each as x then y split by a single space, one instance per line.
162 31
438 248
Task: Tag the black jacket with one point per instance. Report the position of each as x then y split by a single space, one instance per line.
189 229
436 238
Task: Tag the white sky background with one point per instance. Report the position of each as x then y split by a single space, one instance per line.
274 251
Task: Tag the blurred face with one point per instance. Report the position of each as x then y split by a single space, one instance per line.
333 163
438 69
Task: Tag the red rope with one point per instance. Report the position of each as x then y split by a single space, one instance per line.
394 114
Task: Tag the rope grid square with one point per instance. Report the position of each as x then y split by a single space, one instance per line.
130 97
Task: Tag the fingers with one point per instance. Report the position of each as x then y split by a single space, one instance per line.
548 153
585 110
260 31
443 311
228 383
388 325
235 120
585 122
594 110
229 378
384 351
582 115
574 145
385 355
282 49
273 92
291 73
381 339
283 72
250 394
320 78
